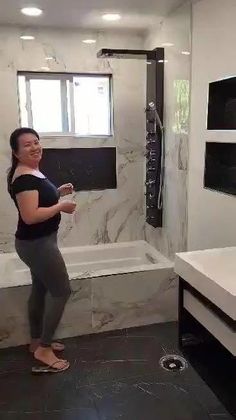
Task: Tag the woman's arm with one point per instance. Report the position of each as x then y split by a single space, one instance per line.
29 210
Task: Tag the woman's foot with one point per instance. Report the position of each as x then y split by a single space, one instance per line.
47 357
35 343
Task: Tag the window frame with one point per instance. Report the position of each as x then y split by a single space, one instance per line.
64 78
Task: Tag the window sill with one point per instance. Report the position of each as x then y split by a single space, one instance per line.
74 136
74 142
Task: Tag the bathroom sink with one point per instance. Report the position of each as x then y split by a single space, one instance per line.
213 273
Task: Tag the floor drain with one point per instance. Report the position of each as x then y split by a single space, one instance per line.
173 363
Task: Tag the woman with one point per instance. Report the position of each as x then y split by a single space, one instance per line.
36 199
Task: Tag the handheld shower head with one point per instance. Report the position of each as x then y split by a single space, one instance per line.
152 106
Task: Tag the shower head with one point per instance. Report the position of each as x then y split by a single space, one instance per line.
125 53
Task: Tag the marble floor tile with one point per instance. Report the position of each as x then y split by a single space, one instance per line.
112 376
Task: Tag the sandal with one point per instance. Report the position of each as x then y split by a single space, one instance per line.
50 368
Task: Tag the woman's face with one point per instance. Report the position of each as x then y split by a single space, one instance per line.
29 149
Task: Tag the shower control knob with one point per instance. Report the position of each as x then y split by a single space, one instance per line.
150 218
150 153
150 182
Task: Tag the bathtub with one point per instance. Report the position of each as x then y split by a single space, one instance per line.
114 286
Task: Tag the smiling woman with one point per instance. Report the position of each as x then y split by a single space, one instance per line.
37 202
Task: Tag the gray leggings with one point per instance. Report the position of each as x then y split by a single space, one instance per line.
50 285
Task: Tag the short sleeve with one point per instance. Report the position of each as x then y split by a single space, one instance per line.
25 183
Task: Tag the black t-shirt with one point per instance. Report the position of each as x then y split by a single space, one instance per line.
48 196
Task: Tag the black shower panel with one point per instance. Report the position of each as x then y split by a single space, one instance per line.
154 130
154 138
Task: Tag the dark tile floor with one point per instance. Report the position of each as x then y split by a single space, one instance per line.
113 376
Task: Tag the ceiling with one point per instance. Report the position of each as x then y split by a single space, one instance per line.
137 15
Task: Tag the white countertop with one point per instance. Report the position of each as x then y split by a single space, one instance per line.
213 273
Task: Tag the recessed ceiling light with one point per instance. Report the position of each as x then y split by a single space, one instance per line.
89 41
185 52
162 61
31 11
45 68
27 37
112 17
148 62
167 44
49 58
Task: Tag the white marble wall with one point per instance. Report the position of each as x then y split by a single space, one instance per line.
176 29
111 215
105 216
211 213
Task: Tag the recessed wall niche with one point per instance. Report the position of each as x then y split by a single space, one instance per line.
222 105
220 167
86 168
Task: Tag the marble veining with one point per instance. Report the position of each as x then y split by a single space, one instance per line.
101 217
116 375
115 215
97 304
114 286
172 237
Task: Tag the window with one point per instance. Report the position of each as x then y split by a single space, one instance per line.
66 104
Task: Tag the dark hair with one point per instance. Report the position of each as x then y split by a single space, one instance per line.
14 143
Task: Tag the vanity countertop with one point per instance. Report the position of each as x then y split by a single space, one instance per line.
213 273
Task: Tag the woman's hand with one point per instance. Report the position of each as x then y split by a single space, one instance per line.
65 189
67 206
